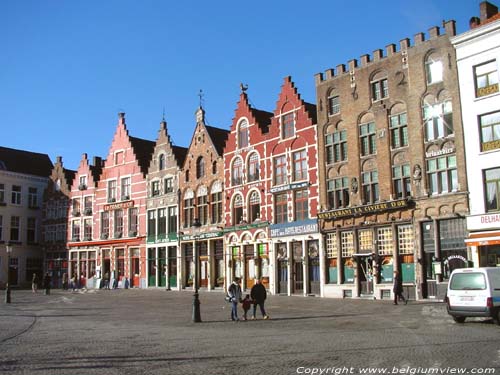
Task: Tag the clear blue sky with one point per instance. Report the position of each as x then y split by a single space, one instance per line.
68 67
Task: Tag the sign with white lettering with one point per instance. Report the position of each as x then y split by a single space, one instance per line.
481 222
364 210
119 205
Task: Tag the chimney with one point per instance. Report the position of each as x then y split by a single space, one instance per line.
59 160
97 162
487 10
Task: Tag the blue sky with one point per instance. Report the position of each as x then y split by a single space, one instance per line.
68 67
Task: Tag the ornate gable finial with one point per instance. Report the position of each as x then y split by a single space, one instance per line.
243 87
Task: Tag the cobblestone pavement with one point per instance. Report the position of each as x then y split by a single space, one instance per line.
151 332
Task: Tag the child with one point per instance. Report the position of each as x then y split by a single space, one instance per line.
247 302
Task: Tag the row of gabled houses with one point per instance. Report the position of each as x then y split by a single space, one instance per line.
395 168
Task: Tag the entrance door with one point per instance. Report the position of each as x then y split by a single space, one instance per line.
249 272
152 267
172 266
135 272
365 275
298 277
282 276
12 277
314 282
204 273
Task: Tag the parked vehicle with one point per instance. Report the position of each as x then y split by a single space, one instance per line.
474 292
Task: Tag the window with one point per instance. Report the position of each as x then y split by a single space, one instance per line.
202 207
61 232
336 147
168 185
243 134
132 221
347 244
2 193
216 207
75 230
442 174
384 241
333 105
406 241
187 175
370 187
367 138
253 168
87 229
486 77
365 241
280 170
332 250
87 205
188 212
299 165
401 182
200 167
438 120
31 230
254 205
214 167
112 191
75 207
118 219
490 131
161 162
119 157
301 203
83 183
32 197
155 188
237 210
492 187
280 208
338 193
105 224
433 70
237 172
15 226
125 188
380 89
288 125
399 130
172 219
152 224
16 194
162 223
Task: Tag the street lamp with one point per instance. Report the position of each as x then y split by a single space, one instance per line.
8 249
196 299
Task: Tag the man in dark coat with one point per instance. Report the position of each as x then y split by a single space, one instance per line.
258 295
398 289
46 282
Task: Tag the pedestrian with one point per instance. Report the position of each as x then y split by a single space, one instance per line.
234 293
46 283
246 303
34 283
73 282
259 294
398 289
65 281
106 280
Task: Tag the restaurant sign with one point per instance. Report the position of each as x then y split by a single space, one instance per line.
364 210
118 206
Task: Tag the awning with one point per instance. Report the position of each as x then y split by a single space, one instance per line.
483 238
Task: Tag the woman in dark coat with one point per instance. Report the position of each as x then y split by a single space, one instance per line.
398 289
46 283
258 295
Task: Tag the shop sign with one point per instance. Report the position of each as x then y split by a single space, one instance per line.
202 236
363 210
487 221
118 206
298 185
444 151
291 229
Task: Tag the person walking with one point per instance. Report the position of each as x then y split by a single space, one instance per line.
65 281
106 280
246 303
258 294
235 294
46 283
34 283
398 289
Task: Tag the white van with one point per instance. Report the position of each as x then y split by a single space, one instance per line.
474 292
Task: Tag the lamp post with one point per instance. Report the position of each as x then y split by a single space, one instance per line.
8 249
196 299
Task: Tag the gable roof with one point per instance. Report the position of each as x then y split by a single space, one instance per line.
26 162
143 150
219 138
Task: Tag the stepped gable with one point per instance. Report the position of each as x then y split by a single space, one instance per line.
180 154
218 137
96 168
143 150
26 162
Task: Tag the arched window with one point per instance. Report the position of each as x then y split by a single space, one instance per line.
161 162
200 167
243 134
237 172
214 167
237 210
433 69
254 206
253 168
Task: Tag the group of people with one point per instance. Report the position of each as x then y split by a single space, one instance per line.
257 297
46 283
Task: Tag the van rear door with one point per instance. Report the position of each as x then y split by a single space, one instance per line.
468 289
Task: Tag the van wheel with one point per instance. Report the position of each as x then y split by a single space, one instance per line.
459 319
496 317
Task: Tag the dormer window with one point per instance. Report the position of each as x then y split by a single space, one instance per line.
161 162
243 134
288 125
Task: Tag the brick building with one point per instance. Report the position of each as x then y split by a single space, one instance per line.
393 185
56 203
200 194
113 238
246 217
162 214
